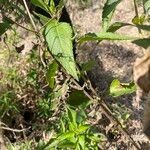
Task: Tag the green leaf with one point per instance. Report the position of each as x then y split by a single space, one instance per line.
53 67
82 141
60 5
66 135
52 7
96 137
104 36
43 19
66 144
144 27
147 6
41 4
63 129
118 89
108 12
59 38
138 20
72 115
59 139
82 128
116 26
145 43
78 98
4 25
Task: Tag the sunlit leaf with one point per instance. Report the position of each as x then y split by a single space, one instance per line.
147 6
59 38
41 4
82 141
72 115
108 12
138 20
118 89
104 36
82 128
59 139
52 7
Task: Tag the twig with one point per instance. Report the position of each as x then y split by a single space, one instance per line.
14 130
29 14
136 13
19 24
37 33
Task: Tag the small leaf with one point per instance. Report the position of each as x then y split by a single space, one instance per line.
144 27
66 144
72 115
59 139
138 20
116 26
108 12
62 126
66 135
118 89
145 43
43 19
78 98
59 38
53 67
52 7
41 4
104 36
82 128
4 25
60 5
81 140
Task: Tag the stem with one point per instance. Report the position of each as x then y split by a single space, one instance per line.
29 14
136 13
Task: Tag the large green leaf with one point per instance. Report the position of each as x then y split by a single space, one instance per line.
53 67
41 4
118 89
108 12
59 38
104 36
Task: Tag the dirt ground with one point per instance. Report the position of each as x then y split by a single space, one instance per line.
113 60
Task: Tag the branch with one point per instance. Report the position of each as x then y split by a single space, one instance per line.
29 14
